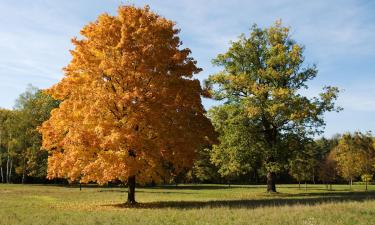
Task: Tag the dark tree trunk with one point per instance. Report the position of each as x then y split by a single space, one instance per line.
299 185
7 172
270 134
271 184
131 190
24 171
256 176
10 171
313 176
131 179
2 174
23 177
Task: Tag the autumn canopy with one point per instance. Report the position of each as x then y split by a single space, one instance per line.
130 106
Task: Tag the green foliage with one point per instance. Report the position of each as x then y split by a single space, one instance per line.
204 170
260 84
301 169
9 144
238 151
34 108
367 178
20 142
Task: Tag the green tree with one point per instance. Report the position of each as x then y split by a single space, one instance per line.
366 178
300 170
20 142
9 144
302 166
33 108
4 139
263 75
204 170
237 153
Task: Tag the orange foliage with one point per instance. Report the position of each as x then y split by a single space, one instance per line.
130 105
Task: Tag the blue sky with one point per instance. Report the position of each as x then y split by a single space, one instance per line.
339 36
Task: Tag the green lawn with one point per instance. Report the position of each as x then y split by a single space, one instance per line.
187 204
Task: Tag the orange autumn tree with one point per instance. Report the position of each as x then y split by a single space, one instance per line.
130 106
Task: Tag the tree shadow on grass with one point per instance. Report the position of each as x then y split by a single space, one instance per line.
151 192
206 187
178 187
166 192
311 199
333 194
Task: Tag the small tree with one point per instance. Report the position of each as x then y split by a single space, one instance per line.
365 144
327 170
301 169
366 178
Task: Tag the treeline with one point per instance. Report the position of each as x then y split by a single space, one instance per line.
21 157
342 158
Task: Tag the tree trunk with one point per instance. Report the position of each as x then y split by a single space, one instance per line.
299 185
24 170
10 170
305 186
351 183
313 176
2 174
131 190
366 185
23 177
271 187
7 172
256 177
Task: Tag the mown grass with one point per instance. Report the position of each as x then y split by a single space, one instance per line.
187 204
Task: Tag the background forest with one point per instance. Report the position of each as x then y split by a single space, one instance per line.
339 159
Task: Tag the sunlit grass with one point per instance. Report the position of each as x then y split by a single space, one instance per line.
187 204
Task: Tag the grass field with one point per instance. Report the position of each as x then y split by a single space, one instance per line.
187 204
